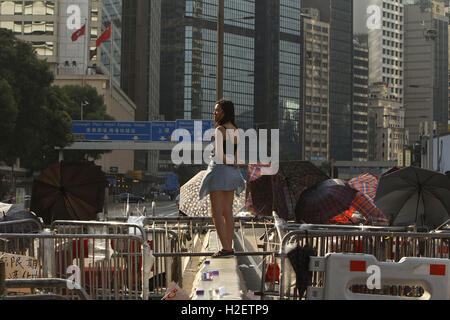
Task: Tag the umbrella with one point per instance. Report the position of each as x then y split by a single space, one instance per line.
14 212
299 257
69 190
366 183
393 169
363 205
191 204
280 192
321 202
414 196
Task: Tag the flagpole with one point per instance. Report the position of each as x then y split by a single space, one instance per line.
111 58
85 49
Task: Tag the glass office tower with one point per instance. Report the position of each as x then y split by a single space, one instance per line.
262 48
339 14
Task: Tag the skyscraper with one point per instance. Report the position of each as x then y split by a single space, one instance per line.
360 100
386 46
262 47
339 14
140 75
426 68
316 95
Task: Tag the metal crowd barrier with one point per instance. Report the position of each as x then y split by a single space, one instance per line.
20 226
388 244
163 270
107 266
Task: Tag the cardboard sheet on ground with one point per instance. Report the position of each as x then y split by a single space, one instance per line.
19 267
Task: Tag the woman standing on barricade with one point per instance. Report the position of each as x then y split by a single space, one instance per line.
223 177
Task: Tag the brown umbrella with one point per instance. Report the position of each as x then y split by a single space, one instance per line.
69 191
281 191
191 204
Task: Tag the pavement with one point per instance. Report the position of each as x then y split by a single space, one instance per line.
163 208
229 284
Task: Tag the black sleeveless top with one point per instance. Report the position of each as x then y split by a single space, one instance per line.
225 147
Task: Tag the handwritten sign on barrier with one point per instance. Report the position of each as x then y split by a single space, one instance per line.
19 267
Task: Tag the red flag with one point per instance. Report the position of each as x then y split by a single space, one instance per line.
80 32
105 36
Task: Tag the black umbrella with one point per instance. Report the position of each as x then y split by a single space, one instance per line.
323 201
299 258
69 191
414 196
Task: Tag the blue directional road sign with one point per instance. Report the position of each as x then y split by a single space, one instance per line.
162 130
189 125
111 131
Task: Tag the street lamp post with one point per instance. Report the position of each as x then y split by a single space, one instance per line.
83 103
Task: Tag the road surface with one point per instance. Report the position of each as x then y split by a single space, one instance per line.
163 209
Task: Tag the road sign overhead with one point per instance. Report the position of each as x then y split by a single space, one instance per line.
112 130
189 125
162 130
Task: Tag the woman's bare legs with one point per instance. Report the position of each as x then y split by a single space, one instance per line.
217 206
229 219
222 214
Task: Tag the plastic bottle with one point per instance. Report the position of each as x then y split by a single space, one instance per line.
207 280
200 294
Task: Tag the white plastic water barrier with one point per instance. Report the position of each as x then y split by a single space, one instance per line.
342 271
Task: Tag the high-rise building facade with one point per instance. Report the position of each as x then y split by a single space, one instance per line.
140 66
426 68
386 46
360 100
339 14
49 26
316 95
386 117
262 48
36 22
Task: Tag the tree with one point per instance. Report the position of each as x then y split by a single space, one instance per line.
57 126
9 111
29 79
94 110
36 116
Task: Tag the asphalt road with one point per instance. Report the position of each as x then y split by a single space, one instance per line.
163 209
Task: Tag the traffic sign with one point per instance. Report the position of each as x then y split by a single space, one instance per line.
162 130
112 130
190 126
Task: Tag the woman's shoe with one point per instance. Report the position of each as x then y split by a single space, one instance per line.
223 254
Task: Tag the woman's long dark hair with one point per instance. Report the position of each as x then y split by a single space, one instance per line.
228 110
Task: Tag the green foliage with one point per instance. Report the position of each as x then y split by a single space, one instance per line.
36 116
94 110
29 79
9 111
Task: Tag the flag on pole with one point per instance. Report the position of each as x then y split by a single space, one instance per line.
105 36
80 32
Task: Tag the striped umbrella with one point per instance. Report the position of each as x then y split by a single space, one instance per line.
366 183
364 203
191 204
365 206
